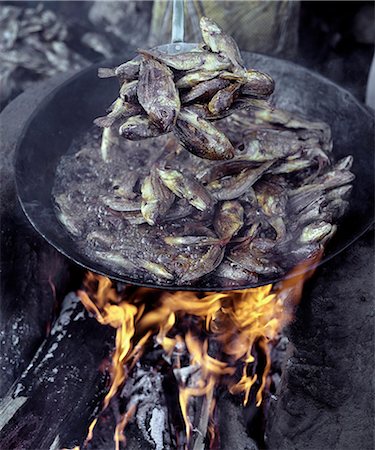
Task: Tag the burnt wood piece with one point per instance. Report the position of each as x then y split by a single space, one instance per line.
32 272
59 394
325 398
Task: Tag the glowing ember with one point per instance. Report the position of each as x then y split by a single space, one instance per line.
210 339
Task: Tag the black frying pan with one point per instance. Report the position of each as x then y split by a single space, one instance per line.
71 108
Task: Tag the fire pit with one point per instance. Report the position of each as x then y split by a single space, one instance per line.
171 356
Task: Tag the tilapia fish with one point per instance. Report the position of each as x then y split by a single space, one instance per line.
120 111
138 127
201 138
205 89
223 99
156 198
127 71
191 79
186 186
267 145
228 219
235 273
257 84
128 91
219 42
261 265
157 93
230 188
195 269
190 60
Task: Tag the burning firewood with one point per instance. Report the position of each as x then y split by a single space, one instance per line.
206 340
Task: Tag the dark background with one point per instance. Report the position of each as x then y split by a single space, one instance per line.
333 38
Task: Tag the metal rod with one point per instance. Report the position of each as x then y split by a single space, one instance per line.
178 21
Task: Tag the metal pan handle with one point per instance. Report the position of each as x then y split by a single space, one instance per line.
178 21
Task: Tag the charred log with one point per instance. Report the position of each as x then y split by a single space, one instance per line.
61 391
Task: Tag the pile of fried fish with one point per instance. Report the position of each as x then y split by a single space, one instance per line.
185 92
270 203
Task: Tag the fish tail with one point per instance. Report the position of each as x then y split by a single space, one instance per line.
106 72
104 122
148 53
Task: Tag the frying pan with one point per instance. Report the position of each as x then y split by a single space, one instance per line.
70 109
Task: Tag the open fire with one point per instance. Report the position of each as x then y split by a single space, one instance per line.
210 340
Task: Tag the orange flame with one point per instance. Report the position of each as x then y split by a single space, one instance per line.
119 431
237 321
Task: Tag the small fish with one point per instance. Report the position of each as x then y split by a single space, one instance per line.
334 209
191 79
156 198
344 163
203 112
309 214
72 222
133 217
304 196
188 187
190 60
155 268
278 224
128 91
261 265
318 158
203 90
219 42
229 219
138 127
103 238
224 168
298 253
157 93
235 273
204 265
223 99
262 246
335 178
257 84
73 225
181 209
315 232
201 138
114 258
125 72
110 139
120 110
230 188
272 197
342 192
281 117
122 204
291 166
251 104
266 145
123 185
198 241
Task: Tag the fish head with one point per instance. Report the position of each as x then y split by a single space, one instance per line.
209 26
164 117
